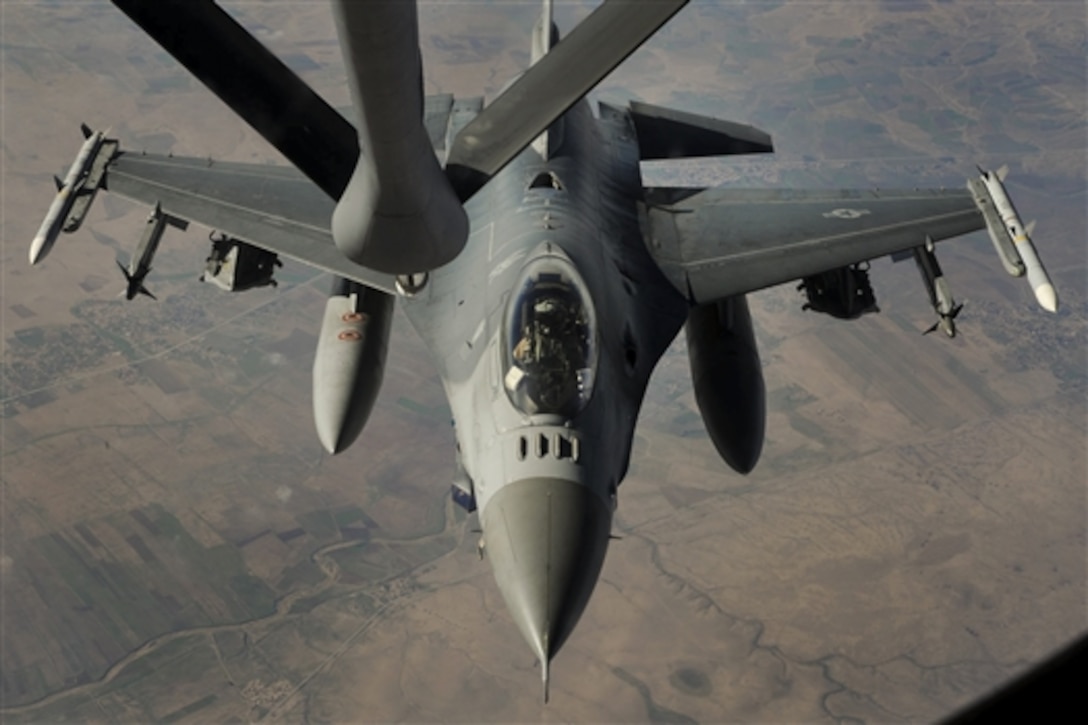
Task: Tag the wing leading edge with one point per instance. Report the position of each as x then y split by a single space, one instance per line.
273 207
720 242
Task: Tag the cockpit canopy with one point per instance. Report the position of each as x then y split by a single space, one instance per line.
550 345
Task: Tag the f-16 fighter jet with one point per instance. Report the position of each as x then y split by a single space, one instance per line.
522 245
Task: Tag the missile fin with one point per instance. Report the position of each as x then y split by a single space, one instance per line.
1030 228
544 677
87 132
1002 172
58 182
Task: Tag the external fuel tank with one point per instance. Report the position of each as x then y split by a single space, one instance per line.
350 361
728 379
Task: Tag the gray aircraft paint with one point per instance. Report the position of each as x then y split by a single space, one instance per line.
643 261
592 220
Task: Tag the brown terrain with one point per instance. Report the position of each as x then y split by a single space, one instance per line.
177 547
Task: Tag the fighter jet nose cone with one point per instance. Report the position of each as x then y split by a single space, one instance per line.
546 540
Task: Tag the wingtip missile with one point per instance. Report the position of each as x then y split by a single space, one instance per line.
51 226
1047 296
1012 238
39 248
58 219
1038 278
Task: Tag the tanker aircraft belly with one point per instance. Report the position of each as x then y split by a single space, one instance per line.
545 279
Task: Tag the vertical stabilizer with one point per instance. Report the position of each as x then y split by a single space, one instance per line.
544 33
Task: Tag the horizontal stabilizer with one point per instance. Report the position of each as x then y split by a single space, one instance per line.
1011 238
665 133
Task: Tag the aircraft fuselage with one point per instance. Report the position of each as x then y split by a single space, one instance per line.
546 329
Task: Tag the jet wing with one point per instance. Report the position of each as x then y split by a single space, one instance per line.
720 242
273 207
